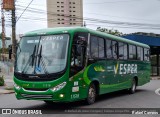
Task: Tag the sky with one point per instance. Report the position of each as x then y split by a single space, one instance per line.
127 16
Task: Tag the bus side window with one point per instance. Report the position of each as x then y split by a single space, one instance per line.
94 47
114 49
132 52
97 47
140 53
101 47
108 49
125 51
146 54
121 50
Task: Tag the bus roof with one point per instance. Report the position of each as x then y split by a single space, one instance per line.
49 31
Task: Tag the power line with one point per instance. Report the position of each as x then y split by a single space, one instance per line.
106 21
51 13
91 21
113 2
24 10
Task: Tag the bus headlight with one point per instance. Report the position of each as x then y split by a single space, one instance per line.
16 86
59 87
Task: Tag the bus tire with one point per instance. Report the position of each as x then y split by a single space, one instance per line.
91 96
49 102
133 86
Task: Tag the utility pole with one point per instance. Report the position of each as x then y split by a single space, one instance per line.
3 32
9 5
13 33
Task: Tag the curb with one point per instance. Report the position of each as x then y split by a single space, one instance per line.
2 91
155 78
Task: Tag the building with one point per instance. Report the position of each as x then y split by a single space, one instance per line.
64 13
153 40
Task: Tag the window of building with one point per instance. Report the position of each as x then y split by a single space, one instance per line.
62 6
58 10
57 2
62 2
74 11
74 3
58 6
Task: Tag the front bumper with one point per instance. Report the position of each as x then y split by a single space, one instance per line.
41 95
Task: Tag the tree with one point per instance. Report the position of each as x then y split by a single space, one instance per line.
7 38
110 31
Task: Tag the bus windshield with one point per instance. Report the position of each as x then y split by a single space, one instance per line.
42 54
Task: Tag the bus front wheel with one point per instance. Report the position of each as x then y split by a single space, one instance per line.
49 102
133 86
91 94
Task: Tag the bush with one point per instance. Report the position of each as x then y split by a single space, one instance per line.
1 81
5 50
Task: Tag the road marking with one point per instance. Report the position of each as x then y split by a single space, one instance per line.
157 91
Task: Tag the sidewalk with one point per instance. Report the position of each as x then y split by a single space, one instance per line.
7 71
155 77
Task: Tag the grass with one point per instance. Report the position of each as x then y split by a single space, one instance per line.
9 88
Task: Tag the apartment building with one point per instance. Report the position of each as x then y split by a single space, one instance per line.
62 13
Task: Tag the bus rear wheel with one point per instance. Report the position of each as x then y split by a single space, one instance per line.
133 87
91 94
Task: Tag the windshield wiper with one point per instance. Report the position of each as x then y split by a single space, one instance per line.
31 57
40 59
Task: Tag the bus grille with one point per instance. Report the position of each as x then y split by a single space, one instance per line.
37 96
33 89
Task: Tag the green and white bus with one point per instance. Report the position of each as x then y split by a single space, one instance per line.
75 63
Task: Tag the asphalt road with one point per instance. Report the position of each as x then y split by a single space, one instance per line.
145 97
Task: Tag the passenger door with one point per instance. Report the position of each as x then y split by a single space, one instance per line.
78 53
